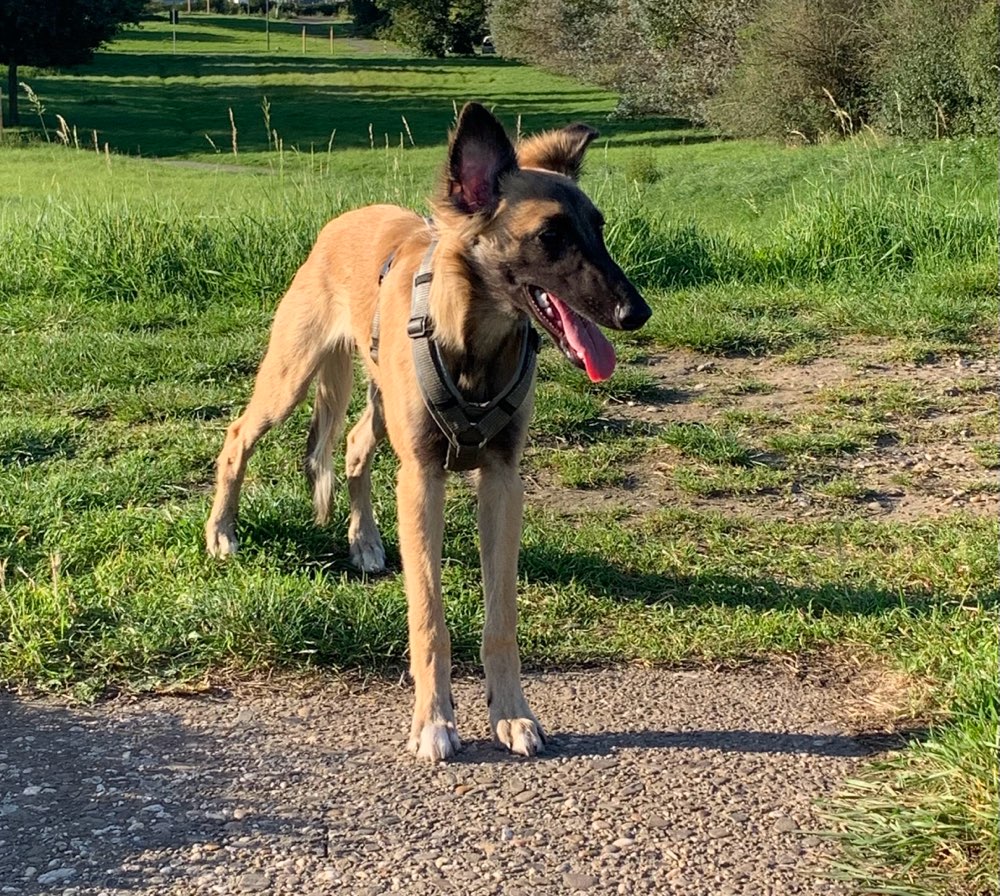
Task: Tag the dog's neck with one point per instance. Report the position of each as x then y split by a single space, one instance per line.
479 335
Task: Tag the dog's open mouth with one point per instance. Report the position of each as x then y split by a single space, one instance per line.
580 340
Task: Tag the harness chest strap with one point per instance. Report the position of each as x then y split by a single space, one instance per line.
468 426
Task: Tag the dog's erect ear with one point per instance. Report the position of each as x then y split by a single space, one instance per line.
479 155
560 151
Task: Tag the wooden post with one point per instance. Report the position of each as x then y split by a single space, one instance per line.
331 40
303 40
189 7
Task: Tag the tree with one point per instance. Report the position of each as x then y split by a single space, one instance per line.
55 33
437 27
421 25
368 17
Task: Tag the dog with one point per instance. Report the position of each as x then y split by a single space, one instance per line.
441 311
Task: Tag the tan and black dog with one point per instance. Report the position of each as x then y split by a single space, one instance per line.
513 239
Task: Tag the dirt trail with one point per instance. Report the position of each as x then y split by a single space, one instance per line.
665 782
933 418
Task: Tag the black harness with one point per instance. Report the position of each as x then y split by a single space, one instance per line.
468 426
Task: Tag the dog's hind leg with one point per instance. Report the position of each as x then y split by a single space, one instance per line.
333 394
293 354
501 501
420 498
367 553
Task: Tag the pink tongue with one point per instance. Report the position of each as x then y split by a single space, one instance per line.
587 341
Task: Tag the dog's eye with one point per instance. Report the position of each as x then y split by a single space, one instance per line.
552 239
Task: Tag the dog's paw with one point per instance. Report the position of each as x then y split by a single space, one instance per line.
522 736
435 741
367 553
220 541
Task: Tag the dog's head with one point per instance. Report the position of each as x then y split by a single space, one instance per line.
535 238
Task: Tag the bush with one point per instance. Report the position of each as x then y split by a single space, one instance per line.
915 68
660 57
979 50
368 17
919 76
803 72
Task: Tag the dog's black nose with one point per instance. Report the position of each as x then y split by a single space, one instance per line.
632 315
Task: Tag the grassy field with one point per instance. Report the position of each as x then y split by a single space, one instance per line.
135 298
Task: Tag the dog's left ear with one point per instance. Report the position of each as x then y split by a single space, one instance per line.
561 151
479 155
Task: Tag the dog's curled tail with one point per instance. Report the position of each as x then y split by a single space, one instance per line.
334 379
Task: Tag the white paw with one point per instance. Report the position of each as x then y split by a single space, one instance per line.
522 736
220 541
367 553
435 741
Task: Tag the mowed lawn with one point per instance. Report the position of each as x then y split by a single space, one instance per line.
135 299
153 97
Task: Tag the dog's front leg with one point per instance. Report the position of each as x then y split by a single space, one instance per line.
501 499
420 498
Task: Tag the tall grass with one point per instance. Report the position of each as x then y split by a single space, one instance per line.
875 223
879 220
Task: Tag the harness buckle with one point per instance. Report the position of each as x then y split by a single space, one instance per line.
478 441
419 327
461 458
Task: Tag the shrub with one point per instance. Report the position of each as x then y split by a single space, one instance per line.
979 50
918 79
660 57
915 68
803 72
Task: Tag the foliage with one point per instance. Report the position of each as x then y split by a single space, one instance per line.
979 50
420 24
660 57
774 67
467 25
804 71
437 27
49 33
918 68
934 68
368 17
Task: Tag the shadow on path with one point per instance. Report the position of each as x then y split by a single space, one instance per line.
565 744
97 798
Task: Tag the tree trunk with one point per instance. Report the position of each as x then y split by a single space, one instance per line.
12 117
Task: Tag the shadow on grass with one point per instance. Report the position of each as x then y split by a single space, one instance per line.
298 545
163 104
616 580
24 447
301 546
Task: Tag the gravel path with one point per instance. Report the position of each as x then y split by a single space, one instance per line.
666 782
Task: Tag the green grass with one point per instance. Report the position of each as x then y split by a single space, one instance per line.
135 298
150 98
